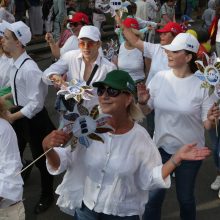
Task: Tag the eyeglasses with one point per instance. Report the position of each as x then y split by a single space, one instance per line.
88 44
75 24
110 91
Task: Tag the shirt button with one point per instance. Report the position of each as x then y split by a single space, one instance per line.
103 171
108 154
99 186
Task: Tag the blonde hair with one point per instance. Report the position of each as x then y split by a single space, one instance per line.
3 109
135 112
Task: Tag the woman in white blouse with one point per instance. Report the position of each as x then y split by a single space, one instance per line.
131 59
111 180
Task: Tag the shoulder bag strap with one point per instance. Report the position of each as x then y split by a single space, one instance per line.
92 74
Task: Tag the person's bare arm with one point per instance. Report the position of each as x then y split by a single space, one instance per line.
186 152
55 50
54 139
130 36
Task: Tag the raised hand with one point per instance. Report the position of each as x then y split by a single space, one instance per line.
191 152
142 93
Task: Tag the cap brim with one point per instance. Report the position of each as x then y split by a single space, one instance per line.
163 30
89 37
172 47
101 83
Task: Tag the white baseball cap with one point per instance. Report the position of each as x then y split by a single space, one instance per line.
3 25
21 31
91 32
183 41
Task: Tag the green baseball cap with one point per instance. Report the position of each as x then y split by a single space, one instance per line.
118 79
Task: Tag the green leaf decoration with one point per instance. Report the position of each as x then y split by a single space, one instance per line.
95 137
103 129
217 65
94 112
205 85
82 110
211 90
200 66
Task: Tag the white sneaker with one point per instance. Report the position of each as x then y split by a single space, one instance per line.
216 184
219 194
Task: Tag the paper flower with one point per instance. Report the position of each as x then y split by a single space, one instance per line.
110 50
209 73
77 90
86 126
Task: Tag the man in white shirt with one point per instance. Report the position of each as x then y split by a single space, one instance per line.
141 9
29 118
81 64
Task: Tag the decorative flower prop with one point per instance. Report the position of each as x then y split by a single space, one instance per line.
77 90
209 73
111 50
86 126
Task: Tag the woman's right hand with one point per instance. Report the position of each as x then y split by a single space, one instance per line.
55 139
143 94
49 38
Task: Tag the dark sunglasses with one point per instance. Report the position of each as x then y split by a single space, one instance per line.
75 24
110 91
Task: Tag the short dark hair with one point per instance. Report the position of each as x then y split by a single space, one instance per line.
192 64
15 38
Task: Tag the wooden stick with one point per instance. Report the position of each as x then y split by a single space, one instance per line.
34 161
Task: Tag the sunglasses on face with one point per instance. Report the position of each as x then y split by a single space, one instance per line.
88 44
110 91
76 24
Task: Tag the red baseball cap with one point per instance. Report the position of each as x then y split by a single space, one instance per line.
79 17
172 27
131 23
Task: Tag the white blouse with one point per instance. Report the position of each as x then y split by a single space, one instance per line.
112 178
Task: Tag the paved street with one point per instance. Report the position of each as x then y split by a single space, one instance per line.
208 204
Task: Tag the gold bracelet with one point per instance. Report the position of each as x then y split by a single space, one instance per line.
174 162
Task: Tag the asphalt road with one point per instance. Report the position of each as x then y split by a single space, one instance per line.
208 203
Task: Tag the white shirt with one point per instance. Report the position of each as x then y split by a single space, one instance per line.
141 10
181 107
5 65
70 44
158 56
134 68
112 177
152 9
11 185
73 65
31 91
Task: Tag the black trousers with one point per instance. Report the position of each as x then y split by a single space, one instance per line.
33 131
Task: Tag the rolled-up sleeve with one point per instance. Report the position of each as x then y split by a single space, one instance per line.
59 68
65 159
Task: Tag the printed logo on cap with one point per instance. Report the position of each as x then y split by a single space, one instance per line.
19 33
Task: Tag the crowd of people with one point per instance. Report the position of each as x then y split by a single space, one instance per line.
123 173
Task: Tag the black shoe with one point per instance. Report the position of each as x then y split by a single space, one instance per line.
25 175
44 203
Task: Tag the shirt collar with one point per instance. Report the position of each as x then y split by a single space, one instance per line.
98 60
17 63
